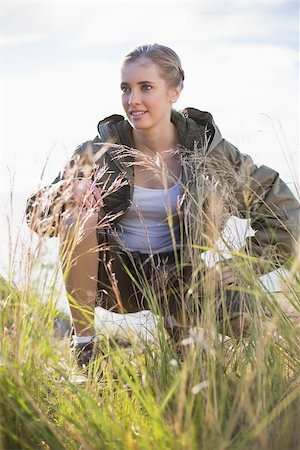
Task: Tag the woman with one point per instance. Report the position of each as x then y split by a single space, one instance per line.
139 213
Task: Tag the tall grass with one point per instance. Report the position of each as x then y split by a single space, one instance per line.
216 393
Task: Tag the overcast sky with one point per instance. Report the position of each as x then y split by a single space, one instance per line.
60 76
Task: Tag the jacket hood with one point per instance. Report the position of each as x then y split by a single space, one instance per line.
194 127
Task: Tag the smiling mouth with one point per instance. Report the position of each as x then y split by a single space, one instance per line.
137 113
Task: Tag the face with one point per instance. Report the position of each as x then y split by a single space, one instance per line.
146 97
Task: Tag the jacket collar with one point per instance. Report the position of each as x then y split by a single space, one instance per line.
194 127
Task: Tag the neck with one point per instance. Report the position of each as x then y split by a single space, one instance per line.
157 140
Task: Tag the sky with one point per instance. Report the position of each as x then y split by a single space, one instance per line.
59 75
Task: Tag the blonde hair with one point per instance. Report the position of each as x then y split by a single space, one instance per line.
164 57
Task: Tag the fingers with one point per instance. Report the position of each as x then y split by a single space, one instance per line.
82 193
74 192
225 275
96 198
92 199
228 278
82 201
97 194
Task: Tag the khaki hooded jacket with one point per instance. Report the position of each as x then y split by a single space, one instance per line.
212 170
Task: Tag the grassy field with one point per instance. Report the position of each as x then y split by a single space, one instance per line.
209 392
221 394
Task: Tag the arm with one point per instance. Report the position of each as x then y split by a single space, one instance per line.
271 207
71 188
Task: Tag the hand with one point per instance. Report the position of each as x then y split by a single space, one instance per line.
83 194
81 200
221 274
224 275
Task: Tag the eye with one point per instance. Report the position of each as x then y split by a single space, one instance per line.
125 89
146 87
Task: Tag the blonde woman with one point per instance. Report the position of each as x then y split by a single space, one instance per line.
133 191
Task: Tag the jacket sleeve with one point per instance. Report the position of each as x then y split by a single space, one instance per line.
271 207
44 209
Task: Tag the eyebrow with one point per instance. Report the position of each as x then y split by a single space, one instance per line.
124 83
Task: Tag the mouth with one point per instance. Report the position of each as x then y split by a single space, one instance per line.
136 114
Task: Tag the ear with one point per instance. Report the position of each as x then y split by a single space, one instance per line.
175 93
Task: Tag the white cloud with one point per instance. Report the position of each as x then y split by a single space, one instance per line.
18 39
82 25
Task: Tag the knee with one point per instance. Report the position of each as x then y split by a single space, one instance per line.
78 225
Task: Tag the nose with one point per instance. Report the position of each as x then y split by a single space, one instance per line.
133 98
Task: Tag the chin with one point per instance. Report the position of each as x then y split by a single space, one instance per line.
139 126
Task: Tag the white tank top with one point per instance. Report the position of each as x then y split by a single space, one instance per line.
145 226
